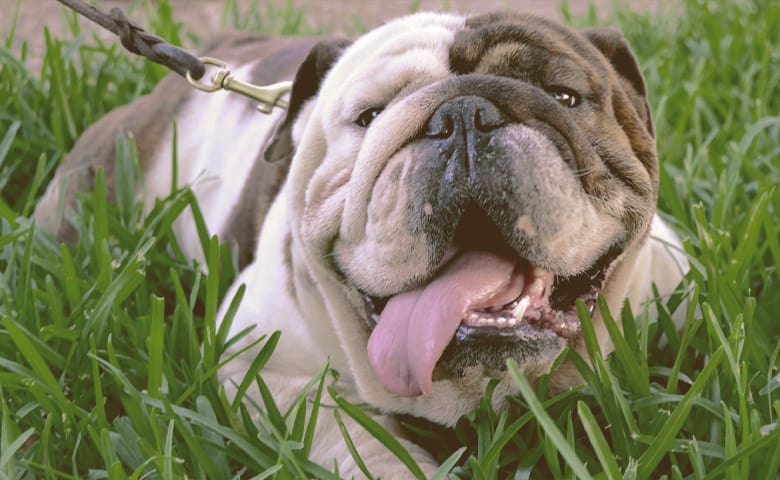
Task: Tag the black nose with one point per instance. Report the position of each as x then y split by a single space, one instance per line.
457 118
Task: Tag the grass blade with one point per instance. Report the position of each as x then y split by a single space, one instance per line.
547 423
664 439
636 375
596 437
155 345
380 433
446 467
351 446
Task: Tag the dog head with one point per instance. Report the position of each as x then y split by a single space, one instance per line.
456 185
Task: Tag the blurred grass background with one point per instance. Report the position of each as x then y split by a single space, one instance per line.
109 348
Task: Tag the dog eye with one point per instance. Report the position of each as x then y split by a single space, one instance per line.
564 96
367 116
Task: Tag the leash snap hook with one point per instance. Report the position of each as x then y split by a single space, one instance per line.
216 78
269 96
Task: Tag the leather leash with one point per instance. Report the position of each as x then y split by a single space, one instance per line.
140 42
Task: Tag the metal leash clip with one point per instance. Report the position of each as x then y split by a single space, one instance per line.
269 96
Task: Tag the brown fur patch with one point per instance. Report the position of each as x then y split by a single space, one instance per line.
597 63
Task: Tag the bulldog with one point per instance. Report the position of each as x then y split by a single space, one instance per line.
436 198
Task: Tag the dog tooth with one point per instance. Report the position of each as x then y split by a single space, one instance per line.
486 322
521 307
501 321
537 287
511 321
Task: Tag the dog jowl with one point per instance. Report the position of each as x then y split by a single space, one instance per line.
444 190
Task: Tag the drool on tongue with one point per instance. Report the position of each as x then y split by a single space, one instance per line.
416 326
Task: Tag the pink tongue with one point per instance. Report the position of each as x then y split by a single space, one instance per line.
416 326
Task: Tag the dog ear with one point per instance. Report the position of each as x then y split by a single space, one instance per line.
306 84
615 47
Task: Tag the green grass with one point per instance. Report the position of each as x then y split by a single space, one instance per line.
109 348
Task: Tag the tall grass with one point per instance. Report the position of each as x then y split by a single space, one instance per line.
109 348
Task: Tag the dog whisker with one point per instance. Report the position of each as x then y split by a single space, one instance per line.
582 172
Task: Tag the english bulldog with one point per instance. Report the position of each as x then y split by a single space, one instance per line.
436 198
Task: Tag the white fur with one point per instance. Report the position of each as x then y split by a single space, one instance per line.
219 136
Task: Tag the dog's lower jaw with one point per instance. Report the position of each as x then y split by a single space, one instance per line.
630 279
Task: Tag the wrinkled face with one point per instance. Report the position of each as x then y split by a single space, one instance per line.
465 181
